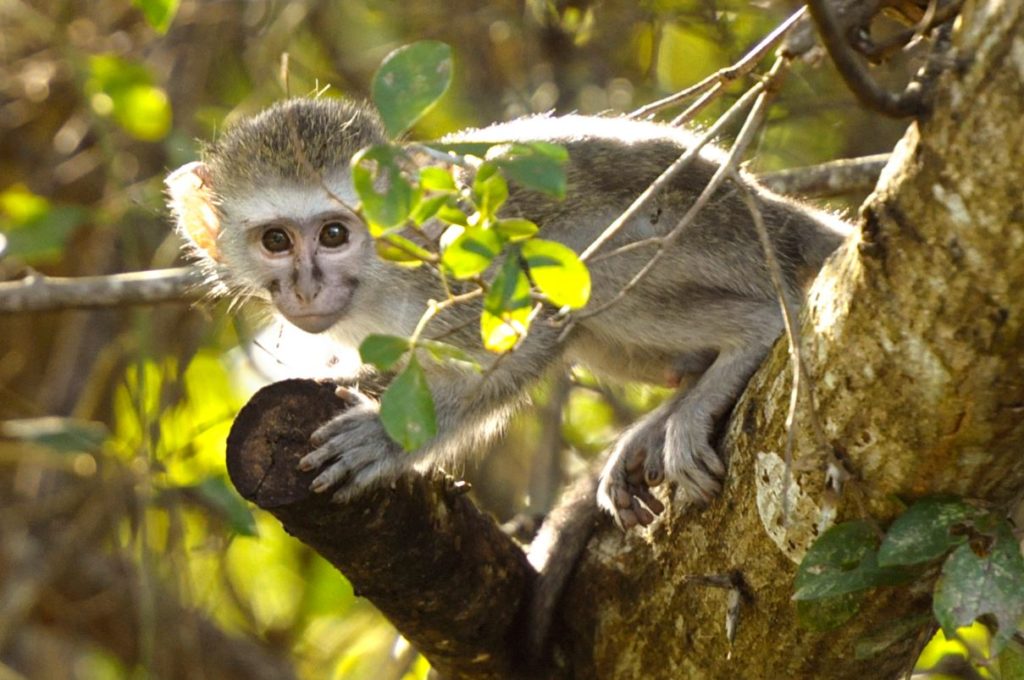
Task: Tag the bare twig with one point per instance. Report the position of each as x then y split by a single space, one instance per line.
725 75
834 178
910 102
38 293
763 90
671 171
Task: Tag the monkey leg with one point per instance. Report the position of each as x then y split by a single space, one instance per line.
673 443
690 459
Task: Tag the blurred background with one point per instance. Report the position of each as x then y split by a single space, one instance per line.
124 552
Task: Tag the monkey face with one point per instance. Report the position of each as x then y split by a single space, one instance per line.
306 249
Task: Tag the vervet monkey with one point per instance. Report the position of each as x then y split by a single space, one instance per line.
272 207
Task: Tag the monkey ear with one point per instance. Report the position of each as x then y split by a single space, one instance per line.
193 204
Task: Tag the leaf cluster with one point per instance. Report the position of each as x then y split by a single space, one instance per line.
444 213
973 550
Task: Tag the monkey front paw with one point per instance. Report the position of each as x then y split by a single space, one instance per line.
633 469
353 452
690 460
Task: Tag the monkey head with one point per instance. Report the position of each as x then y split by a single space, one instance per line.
269 208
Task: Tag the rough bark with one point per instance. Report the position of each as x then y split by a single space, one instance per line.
914 334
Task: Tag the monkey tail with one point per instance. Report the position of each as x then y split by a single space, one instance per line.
554 553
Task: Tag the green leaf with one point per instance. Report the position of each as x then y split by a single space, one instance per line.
973 584
64 435
843 560
452 215
535 165
400 250
383 351
427 208
829 613
889 634
516 229
923 532
228 504
442 352
409 81
386 195
558 273
36 229
506 315
407 408
159 13
490 190
436 179
1011 661
125 91
472 252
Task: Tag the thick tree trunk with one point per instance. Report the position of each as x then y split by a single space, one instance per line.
914 335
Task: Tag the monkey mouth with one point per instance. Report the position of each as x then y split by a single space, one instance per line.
313 323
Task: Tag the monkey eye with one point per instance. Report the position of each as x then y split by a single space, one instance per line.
333 235
276 240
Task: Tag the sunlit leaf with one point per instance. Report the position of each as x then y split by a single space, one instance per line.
558 272
923 532
383 351
409 81
36 230
400 250
516 229
407 408
490 190
436 179
973 584
452 215
159 13
125 91
535 165
472 252
386 195
507 305
427 208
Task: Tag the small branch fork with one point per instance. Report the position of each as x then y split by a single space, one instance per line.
836 37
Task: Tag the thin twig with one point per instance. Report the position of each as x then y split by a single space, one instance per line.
671 171
727 74
910 102
764 91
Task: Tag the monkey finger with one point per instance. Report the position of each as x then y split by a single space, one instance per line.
649 499
634 460
625 519
643 515
329 478
318 457
352 396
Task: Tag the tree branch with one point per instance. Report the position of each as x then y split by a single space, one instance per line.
443 573
834 178
38 293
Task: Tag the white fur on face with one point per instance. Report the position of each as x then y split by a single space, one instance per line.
298 201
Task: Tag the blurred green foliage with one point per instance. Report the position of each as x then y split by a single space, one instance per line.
98 100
